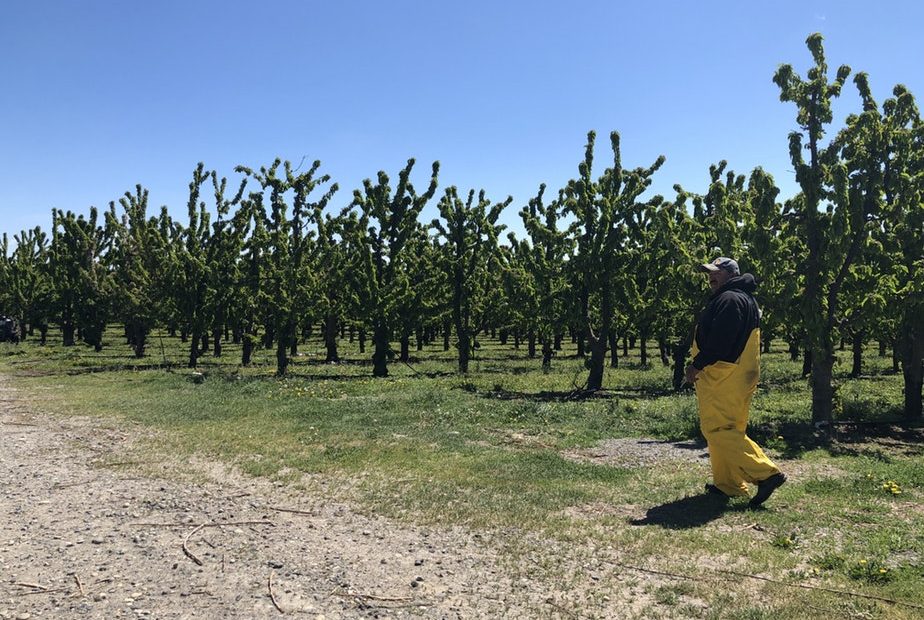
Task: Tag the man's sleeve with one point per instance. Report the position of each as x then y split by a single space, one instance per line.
722 333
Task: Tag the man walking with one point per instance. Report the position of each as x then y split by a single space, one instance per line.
724 371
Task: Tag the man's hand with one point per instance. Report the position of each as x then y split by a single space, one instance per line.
691 374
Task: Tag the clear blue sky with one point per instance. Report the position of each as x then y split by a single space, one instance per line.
98 95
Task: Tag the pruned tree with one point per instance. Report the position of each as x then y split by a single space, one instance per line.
387 222
469 230
601 207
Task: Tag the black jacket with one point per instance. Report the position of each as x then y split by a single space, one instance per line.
727 322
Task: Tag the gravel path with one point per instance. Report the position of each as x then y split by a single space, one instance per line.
84 536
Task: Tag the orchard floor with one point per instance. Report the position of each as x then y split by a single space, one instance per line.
84 534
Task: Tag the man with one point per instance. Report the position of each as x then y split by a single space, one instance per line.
724 371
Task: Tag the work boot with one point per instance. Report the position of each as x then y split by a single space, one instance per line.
765 489
711 489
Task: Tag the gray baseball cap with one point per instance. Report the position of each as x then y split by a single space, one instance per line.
724 264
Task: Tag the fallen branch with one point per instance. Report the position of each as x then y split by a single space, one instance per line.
273 594
662 573
186 542
209 524
294 511
192 532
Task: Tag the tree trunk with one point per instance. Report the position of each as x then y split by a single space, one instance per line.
362 340
330 338
581 352
465 349
822 382
446 334
247 349
882 347
216 342
193 350
405 355
614 350
625 346
503 336
597 362
516 339
643 351
139 340
531 344
546 354
857 343
269 336
43 334
380 348
807 362
912 349
681 352
419 337
558 338
67 333
282 358
664 352
793 351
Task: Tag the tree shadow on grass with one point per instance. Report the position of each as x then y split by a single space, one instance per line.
688 512
546 396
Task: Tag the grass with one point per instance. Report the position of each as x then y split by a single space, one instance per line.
487 451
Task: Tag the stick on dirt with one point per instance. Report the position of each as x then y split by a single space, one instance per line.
186 550
273 594
293 511
79 585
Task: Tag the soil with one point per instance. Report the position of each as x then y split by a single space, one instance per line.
86 534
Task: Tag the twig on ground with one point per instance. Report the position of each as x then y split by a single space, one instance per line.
273 594
53 591
567 611
79 585
294 511
192 532
372 597
186 543
804 586
35 586
823 589
72 484
210 524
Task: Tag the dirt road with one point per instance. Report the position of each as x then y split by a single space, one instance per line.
84 534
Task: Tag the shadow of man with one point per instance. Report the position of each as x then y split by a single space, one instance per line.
686 513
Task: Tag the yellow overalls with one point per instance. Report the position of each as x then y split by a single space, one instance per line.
724 391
